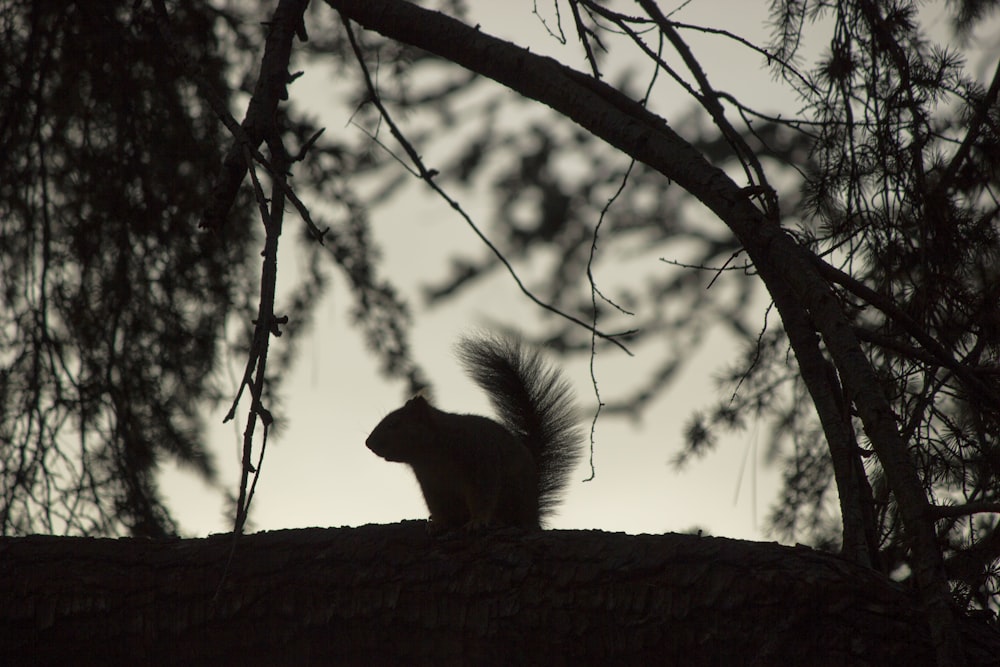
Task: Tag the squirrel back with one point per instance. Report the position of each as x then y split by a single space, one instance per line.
474 471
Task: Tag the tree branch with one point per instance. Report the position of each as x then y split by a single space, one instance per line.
391 594
270 90
628 126
968 509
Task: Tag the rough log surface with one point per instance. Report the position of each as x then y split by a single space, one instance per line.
391 594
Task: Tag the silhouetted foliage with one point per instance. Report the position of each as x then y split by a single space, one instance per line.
113 302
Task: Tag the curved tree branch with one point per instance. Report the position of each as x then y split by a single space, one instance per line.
780 260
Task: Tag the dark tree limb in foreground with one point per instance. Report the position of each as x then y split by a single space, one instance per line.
393 595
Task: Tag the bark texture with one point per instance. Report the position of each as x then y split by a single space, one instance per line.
394 595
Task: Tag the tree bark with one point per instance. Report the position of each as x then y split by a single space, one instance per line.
395 595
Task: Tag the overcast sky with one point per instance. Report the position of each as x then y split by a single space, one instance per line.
319 473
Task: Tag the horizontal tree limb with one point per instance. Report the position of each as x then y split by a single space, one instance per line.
392 594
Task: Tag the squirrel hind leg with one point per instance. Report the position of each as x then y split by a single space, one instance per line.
437 527
477 524
482 504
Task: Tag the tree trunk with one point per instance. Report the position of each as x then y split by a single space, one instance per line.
394 595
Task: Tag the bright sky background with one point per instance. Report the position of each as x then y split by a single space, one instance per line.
317 472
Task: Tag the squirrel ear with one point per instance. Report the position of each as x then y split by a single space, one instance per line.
419 404
425 393
419 409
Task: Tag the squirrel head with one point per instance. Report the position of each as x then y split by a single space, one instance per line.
402 434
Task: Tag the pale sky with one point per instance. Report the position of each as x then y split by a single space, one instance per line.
319 473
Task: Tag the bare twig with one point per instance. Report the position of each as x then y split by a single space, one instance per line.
427 175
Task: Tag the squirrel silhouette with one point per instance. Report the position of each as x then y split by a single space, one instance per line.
475 472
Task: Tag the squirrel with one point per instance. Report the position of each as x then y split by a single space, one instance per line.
473 471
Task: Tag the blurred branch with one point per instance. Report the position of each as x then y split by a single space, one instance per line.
427 175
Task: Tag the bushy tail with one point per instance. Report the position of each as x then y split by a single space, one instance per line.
533 401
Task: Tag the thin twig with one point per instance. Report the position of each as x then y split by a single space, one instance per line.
427 175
